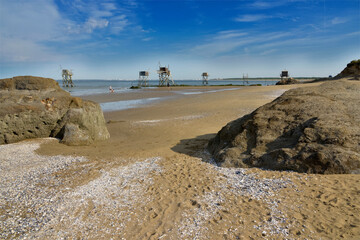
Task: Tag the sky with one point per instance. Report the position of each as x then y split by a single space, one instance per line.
114 39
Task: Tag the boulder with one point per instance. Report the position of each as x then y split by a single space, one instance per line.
310 129
287 81
35 107
351 70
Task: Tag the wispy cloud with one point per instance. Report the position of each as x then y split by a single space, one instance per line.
267 52
43 32
218 47
98 15
236 42
229 34
91 24
265 5
23 50
338 20
147 39
353 34
119 23
251 17
22 37
260 4
231 41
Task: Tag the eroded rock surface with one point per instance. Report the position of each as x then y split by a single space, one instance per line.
34 107
287 81
310 129
352 69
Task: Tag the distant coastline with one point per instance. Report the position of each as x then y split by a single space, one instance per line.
264 78
212 79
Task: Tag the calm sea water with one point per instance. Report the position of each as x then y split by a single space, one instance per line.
91 87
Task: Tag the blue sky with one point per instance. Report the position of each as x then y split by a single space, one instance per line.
116 39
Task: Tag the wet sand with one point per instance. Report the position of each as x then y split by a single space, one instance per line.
152 179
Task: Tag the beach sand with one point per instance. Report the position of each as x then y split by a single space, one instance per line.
152 180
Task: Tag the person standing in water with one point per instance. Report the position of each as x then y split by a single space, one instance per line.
111 90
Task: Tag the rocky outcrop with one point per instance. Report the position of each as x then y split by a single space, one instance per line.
351 70
310 129
287 81
34 107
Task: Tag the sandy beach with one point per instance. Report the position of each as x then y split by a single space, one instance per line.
153 179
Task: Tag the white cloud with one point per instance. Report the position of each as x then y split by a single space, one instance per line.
222 42
119 23
217 47
230 34
92 23
227 42
33 20
22 50
251 18
109 6
132 3
147 39
338 20
267 52
353 34
24 26
260 4
38 30
99 15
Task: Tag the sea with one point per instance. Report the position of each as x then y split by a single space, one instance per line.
93 87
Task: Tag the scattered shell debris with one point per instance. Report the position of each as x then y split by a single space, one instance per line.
33 204
236 182
28 200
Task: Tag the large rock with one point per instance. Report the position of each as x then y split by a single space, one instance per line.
34 107
351 70
287 81
310 129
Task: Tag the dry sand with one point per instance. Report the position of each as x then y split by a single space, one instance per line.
152 180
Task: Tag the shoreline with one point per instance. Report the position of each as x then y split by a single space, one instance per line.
171 93
88 87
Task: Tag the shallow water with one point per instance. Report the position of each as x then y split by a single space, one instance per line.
91 87
94 87
127 104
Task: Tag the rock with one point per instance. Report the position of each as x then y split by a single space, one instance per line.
351 70
34 107
28 83
310 129
287 81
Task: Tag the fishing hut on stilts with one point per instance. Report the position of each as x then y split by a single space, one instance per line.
143 79
67 78
165 78
205 78
284 75
245 79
